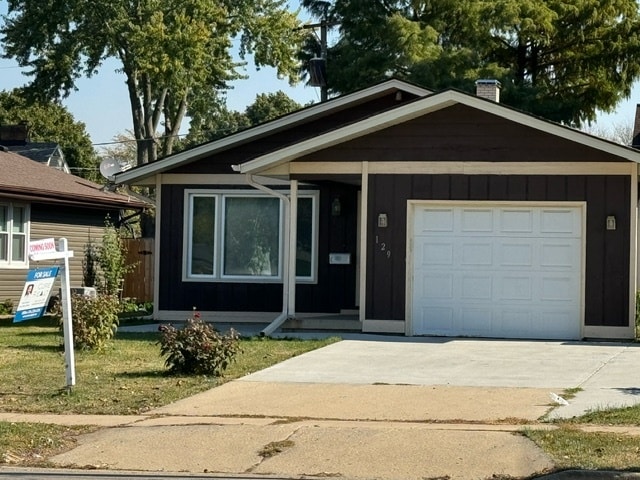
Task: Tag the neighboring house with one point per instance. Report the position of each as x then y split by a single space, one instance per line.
38 202
421 213
16 139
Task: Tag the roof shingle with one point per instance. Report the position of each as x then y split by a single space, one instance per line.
21 177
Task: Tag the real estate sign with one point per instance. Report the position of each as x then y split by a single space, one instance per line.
35 294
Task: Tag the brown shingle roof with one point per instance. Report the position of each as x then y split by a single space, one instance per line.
21 177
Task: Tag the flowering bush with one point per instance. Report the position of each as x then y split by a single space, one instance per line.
198 348
94 321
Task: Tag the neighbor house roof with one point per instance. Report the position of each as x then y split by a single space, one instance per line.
22 178
423 106
282 123
42 152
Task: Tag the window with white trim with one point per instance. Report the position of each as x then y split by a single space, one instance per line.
238 236
14 223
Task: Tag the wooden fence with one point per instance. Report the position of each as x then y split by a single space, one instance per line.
138 283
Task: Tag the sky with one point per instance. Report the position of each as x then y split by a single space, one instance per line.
101 102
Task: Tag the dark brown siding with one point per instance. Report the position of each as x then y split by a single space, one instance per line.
460 133
334 291
222 161
607 252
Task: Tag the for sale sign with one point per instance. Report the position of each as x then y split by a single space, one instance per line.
35 294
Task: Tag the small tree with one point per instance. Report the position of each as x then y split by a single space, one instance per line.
112 260
89 265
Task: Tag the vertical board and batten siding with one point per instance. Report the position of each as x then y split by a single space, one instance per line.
77 225
607 252
334 291
221 162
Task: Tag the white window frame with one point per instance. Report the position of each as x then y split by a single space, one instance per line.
9 263
218 262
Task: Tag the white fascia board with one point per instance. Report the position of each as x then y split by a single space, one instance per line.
258 131
424 106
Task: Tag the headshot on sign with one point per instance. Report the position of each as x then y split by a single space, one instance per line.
29 289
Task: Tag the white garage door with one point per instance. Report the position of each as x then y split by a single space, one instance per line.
497 271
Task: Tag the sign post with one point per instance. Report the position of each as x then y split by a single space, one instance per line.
45 250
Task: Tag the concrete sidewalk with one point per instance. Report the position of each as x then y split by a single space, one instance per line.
319 430
388 408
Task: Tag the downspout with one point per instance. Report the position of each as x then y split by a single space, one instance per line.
284 315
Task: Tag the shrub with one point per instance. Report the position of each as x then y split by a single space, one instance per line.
198 348
94 322
6 307
111 258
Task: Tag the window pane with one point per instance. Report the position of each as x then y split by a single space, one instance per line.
18 248
4 213
203 235
18 219
4 242
251 236
304 237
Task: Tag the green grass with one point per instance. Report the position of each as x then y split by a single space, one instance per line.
33 443
571 448
613 416
128 378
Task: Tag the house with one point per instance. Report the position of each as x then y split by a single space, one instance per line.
16 139
38 202
418 213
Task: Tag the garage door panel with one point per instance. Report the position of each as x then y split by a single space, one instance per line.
560 222
559 255
476 319
515 253
436 253
515 221
477 220
435 286
559 289
440 319
477 288
434 220
514 280
515 288
476 253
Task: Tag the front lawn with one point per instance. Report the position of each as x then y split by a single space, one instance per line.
128 378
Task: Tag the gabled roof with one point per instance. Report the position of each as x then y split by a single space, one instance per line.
287 121
42 152
423 106
24 179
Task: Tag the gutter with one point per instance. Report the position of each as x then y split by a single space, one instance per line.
285 314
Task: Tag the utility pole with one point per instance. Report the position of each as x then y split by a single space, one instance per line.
318 66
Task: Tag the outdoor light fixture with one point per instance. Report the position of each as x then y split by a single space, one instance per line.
611 222
336 207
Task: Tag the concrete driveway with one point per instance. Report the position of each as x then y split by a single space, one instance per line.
376 407
607 374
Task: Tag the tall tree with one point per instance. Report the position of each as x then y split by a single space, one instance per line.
51 122
560 59
168 49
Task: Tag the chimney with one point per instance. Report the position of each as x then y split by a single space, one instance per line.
635 142
14 134
489 89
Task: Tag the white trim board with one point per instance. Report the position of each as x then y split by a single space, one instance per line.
465 168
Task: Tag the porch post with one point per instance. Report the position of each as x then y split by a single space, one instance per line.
293 241
364 195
